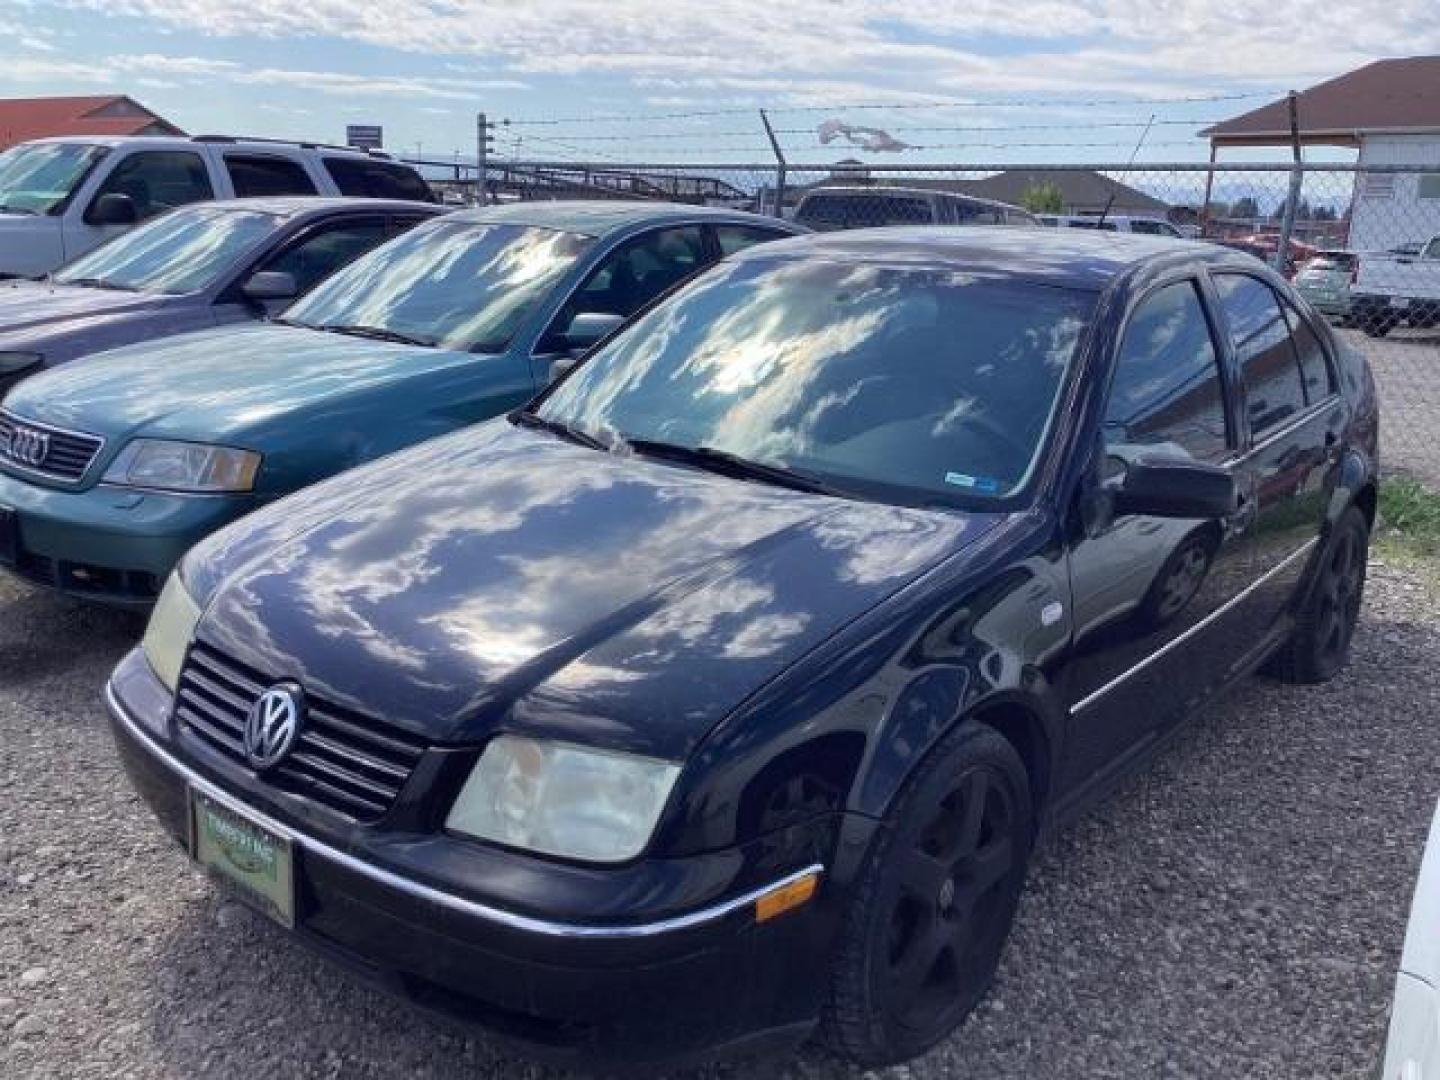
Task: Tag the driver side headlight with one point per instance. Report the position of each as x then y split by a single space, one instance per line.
553 798
183 466
167 635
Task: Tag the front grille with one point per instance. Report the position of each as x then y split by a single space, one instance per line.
343 760
45 450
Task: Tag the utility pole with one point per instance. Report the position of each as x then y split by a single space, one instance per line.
1297 177
483 141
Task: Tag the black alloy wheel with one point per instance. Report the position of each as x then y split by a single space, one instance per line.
1325 630
934 906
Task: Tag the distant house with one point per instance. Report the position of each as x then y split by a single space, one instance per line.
1390 112
22 119
1083 191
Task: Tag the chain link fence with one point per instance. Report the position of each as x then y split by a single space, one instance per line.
1361 243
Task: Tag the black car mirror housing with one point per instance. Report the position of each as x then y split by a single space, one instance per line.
270 285
113 209
1174 488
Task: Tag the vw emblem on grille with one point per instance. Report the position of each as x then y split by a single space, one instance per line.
29 447
273 724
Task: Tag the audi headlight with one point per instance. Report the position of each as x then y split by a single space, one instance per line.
557 799
183 466
12 363
167 636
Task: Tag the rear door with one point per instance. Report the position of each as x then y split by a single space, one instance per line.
1293 419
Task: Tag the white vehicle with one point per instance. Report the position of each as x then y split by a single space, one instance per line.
1113 223
1413 1049
61 197
1394 287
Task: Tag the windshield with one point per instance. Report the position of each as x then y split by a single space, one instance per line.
458 285
36 178
183 251
907 384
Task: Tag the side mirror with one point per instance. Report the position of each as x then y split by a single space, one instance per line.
1174 488
588 327
113 209
270 285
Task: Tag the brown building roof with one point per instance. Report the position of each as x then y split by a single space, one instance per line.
39 118
1387 96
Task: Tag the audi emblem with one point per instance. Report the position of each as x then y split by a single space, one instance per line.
28 446
273 724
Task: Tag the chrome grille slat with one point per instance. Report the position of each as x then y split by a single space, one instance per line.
349 763
70 453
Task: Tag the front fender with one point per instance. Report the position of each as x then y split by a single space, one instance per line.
845 728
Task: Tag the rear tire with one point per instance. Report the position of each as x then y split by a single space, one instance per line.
934 902
1320 644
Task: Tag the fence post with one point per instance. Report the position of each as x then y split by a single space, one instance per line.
779 166
1297 177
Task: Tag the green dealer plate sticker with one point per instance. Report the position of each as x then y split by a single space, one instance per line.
257 862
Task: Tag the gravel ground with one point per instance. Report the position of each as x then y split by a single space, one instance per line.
1237 911
1407 375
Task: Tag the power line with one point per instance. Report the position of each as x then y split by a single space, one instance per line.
986 128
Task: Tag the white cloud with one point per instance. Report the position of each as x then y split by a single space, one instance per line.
1180 43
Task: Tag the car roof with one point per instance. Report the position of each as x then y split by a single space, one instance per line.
596 217
295 205
909 192
1078 258
256 145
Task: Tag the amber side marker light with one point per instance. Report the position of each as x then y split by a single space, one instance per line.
787 897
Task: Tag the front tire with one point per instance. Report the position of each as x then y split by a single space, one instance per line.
934 903
1320 644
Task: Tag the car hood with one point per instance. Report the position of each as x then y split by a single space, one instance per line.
216 383
29 308
502 579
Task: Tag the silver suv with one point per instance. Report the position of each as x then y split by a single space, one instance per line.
59 198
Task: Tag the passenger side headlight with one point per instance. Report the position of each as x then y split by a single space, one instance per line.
12 363
183 466
167 636
557 799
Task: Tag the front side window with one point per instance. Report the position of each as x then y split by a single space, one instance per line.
261 175
1268 365
158 180
1166 392
459 285
320 253
182 252
633 275
39 178
905 384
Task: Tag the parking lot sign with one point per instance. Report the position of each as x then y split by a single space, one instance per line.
364 136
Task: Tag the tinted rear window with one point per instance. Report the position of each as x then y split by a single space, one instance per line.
377 179
863 210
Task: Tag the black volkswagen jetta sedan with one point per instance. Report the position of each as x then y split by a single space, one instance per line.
723 691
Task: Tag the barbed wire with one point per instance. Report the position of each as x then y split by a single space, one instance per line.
1037 103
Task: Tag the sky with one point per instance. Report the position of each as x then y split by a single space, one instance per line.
603 80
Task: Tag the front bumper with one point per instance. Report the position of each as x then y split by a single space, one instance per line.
578 989
110 544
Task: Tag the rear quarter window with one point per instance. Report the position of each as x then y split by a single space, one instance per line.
377 179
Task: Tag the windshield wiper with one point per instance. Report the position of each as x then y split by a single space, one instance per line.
528 419
377 333
280 320
728 464
95 283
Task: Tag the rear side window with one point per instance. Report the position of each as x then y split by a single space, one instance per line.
1166 392
733 238
1314 361
377 179
964 212
1261 338
259 174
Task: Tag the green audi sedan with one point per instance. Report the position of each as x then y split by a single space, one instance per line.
112 468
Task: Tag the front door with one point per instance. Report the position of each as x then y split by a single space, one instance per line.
1144 590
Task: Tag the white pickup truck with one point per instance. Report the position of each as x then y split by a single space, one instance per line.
1390 288
61 197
